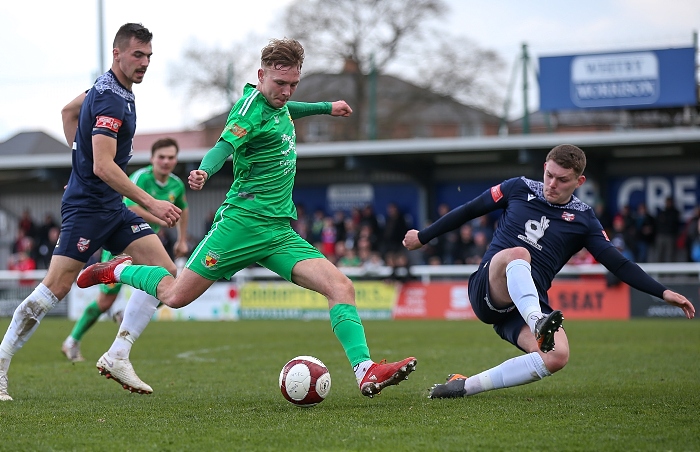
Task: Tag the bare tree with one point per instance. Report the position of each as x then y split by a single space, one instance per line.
394 36
216 75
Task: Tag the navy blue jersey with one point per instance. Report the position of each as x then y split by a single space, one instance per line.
108 109
552 233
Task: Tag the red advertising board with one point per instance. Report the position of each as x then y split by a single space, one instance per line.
577 299
590 299
435 300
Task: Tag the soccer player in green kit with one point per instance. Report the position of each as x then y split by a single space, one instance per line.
253 224
158 180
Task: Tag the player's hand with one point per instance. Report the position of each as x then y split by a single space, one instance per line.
410 241
165 211
676 299
340 108
197 179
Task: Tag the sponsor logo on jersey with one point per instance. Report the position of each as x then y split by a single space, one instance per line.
83 244
530 196
496 193
534 231
239 131
106 122
568 216
605 235
211 259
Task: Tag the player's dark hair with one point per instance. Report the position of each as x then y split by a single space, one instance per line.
164 143
128 31
568 156
281 53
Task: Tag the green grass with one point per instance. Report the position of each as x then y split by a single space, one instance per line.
628 386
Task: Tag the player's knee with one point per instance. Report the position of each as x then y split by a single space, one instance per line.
556 360
342 288
519 252
171 268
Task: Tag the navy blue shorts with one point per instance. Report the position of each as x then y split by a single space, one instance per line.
84 231
507 322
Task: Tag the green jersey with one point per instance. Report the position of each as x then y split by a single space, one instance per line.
173 190
265 157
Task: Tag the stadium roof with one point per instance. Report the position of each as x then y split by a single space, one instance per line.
57 155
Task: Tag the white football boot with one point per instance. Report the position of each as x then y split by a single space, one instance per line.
71 349
121 371
4 396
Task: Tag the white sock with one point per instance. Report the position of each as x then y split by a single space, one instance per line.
70 341
361 369
25 320
118 271
137 314
523 292
514 372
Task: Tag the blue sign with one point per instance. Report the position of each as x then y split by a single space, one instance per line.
629 80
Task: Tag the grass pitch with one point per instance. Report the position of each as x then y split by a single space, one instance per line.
629 386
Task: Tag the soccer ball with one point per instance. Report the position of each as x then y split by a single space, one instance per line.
305 381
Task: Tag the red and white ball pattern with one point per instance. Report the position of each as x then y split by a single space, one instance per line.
305 381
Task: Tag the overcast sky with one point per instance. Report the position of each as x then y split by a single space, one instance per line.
49 49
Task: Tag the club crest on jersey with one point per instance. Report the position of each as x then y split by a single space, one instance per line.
211 259
568 216
83 244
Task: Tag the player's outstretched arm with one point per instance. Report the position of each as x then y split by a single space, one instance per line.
197 179
410 241
676 299
340 108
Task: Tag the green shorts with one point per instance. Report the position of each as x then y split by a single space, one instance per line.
239 238
109 289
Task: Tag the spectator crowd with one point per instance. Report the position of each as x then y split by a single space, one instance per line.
363 238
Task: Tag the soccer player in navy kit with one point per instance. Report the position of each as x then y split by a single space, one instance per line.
541 227
92 211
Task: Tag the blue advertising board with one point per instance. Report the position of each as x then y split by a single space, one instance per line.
625 80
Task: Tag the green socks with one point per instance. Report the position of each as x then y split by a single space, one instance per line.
144 277
348 328
90 315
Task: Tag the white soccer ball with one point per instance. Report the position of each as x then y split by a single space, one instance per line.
305 381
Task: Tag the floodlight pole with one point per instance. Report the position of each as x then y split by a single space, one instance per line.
100 37
526 111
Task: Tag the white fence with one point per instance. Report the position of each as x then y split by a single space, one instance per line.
16 285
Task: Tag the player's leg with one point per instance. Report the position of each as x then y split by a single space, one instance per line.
296 260
533 366
140 308
92 312
25 320
510 281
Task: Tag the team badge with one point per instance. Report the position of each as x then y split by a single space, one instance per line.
568 216
211 259
83 244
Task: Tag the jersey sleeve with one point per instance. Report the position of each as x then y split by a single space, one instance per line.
107 113
301 109
490 200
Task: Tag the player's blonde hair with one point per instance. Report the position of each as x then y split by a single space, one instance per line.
279 53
